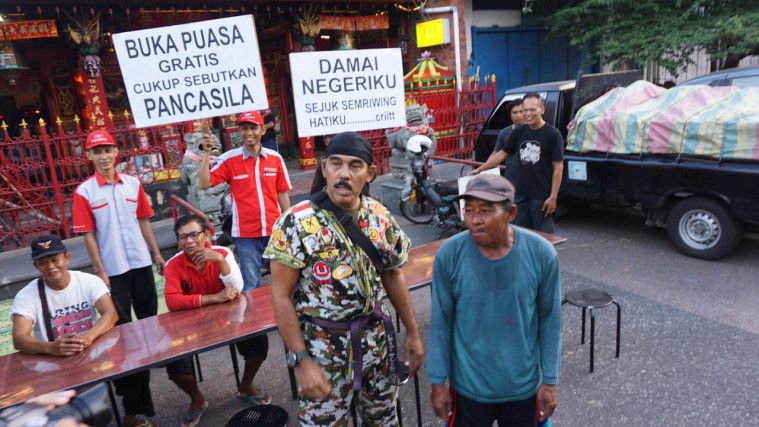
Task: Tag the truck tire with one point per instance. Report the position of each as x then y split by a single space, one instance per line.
703 228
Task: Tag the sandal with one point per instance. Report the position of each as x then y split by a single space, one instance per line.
262 398
191 419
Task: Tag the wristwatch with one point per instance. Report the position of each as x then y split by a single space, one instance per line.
294 358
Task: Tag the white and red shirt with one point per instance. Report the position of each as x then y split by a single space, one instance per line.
113 210
72 310
185 284
255 183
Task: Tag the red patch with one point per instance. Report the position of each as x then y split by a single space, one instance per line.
322 273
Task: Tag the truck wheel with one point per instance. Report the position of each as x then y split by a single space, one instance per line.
703 228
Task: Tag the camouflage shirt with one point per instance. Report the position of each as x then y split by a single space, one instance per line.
337 279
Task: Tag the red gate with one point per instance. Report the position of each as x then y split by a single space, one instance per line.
39 173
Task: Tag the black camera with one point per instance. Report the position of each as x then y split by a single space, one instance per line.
90 407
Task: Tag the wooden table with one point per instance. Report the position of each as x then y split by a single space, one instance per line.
157 340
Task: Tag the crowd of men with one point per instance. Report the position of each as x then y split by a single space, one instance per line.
495 332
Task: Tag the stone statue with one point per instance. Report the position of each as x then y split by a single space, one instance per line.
417 124
400 158
205 200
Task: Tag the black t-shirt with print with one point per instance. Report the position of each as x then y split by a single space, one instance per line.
535 150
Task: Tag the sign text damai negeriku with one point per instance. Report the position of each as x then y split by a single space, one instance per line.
192 71
347 90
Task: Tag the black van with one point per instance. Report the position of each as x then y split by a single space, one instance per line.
705 204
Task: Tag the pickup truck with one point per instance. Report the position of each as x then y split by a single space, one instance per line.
705 204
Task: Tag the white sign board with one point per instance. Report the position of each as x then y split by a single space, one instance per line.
347 90
192 71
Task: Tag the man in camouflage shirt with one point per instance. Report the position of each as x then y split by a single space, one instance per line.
326 290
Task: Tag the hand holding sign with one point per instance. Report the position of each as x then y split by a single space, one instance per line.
206 138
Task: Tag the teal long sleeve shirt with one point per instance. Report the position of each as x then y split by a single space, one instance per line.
495 333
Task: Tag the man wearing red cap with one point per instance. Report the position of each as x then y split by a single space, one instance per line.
112 211
260 189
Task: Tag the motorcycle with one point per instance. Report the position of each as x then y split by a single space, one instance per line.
425 202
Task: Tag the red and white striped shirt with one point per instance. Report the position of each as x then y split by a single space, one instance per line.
255 183
113 210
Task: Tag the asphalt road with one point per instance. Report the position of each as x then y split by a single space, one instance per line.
690 337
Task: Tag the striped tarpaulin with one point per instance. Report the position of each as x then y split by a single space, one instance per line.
716 122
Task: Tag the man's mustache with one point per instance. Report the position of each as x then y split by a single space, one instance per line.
344 184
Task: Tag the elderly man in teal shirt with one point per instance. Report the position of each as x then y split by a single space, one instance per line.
495 336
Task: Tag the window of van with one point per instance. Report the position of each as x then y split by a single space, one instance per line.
502 119
748 81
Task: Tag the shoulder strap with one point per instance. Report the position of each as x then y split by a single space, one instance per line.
321 199
45 309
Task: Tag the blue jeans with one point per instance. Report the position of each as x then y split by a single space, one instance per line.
251 250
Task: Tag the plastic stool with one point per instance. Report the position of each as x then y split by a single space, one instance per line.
591 299
260 416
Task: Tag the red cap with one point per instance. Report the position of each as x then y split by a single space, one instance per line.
251 117
99 137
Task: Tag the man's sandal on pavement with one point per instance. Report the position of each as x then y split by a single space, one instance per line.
191 419
262 398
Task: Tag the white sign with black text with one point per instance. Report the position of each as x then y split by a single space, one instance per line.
347 90
192 71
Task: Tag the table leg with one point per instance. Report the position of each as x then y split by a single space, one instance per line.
592 335
197 366
582 336
114 405
619 327
235 365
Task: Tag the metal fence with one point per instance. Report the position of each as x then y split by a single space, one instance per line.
39 171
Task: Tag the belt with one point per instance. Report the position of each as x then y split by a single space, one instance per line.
355 326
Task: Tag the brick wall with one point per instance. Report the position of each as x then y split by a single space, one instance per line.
446 54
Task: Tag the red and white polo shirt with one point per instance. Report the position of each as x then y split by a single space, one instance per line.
112 210
255 183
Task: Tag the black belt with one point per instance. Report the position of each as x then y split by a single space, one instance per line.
355 326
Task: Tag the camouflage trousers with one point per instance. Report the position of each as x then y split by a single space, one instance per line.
377 398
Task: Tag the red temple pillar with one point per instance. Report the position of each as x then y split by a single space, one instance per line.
305 145
94 90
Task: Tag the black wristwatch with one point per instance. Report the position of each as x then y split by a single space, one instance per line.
294 358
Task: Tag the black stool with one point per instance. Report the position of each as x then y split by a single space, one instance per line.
591 299
260 416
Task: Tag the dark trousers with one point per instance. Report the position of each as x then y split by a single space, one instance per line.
135 288
471 413
530 215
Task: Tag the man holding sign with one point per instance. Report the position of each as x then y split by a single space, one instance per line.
260 188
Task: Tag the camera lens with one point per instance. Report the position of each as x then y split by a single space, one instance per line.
90 407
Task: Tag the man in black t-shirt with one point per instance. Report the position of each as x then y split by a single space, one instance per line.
540 164
269 139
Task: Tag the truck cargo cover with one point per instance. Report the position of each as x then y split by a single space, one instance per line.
701 121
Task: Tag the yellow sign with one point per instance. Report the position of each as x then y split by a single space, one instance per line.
433 33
